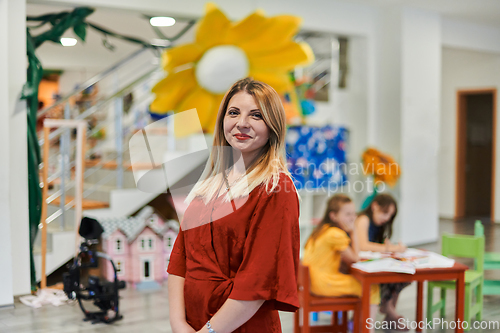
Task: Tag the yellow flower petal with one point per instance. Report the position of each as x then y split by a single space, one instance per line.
181 55
244 30
286 58
203 102
213 26
279 81
277 31
172 89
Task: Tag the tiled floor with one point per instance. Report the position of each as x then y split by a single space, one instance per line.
148 311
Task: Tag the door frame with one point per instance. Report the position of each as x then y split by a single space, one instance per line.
461 142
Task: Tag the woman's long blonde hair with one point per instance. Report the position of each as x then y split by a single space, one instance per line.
266 168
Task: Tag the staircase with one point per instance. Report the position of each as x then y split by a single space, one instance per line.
109 187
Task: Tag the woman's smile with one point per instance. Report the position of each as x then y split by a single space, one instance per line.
241 136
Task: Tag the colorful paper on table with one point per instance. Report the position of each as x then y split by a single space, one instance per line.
401 262
386 265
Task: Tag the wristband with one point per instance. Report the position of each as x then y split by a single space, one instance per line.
210 329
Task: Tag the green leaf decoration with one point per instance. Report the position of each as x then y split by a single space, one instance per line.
80 30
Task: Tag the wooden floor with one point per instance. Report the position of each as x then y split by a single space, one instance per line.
148 311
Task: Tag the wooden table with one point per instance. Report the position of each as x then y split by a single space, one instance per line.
457 273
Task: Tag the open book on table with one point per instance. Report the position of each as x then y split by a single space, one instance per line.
404 262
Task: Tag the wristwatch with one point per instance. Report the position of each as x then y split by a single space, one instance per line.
210 329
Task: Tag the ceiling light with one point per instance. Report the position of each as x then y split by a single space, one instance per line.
162 21
68 41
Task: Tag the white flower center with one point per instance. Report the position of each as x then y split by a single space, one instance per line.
220 67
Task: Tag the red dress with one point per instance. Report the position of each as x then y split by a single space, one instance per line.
248 254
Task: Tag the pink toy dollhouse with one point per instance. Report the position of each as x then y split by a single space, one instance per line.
140 247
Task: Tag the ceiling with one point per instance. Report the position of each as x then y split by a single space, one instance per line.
92 56
477 11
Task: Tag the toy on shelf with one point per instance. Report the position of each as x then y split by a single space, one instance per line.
140 246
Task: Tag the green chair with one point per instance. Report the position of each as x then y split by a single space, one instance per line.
491 262
465 247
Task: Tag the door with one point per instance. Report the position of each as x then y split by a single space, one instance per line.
147 269
475 154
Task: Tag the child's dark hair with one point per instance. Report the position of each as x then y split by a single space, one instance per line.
333 205
384 201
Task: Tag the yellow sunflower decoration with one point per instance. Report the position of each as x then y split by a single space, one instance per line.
223 52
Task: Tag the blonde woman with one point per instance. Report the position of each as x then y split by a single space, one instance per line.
235 261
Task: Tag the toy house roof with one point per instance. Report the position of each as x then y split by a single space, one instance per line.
133 226
171 224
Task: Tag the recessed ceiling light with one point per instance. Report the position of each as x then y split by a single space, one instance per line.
68 41
162 21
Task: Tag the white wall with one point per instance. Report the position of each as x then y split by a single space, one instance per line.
386 123
407 115
471 36
462 69
420 98
14 238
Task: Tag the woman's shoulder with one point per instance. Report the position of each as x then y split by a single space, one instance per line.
284 186
281 191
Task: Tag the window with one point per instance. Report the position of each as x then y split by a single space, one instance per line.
120 268
119 245
146 243
169 241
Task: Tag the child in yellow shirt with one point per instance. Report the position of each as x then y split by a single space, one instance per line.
330 251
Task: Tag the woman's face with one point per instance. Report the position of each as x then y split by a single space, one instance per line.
244 126
380 215
345 216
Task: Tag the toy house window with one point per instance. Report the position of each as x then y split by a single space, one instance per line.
143 244
169 241
118 245
151 243
120 269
